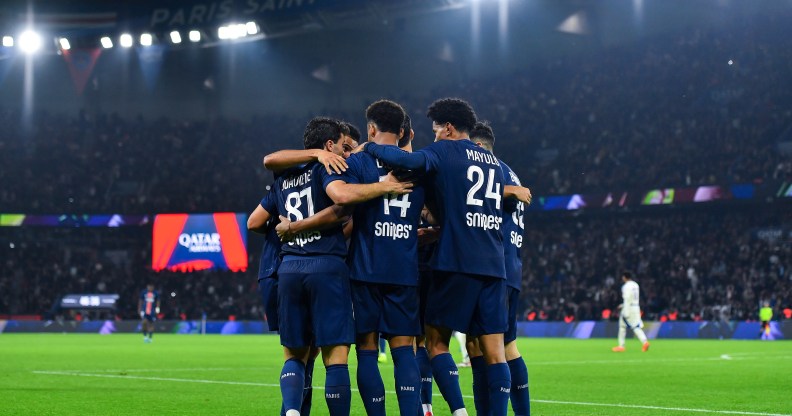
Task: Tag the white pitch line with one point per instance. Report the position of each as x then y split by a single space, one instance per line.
152 370
245 383
674 409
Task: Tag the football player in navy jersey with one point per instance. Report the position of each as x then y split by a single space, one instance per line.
467 292
314 302
513 227
264 220
384 269
149 307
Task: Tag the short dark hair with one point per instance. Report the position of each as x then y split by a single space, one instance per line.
386 115
483 132
354 133
404 140
319 130
628 274
455 111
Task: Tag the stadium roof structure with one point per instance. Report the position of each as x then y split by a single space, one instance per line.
84 21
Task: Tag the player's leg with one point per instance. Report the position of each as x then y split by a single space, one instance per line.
401 323
367 304
489 323
144 327
333 327
461 338
519 395
480 385
338 392
292 379
369 379
421 354
622 334
450 305
422 358
295 335
305 407
634 321
444 370
406 374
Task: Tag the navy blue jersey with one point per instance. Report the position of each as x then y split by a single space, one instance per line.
270 252
467 186
149 300
513 228
300 194
385 235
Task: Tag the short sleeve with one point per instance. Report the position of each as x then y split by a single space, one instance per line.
354 172
269 202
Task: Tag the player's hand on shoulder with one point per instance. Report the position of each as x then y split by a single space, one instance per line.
284 229
394 186
523 194
332 162
360 148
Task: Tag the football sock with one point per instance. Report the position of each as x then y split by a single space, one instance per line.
480 385
338 393
291 384
422 357
499 382
640 334
372 389
408 379
446 375
305 408
520 397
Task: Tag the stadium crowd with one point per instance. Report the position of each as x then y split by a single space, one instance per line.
700 108
705 107
706 264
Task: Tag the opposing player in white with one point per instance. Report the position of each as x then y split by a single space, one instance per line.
630 313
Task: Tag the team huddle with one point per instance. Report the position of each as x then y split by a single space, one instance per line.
434 247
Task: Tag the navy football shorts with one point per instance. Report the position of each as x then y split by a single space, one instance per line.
513 296
468 303
314 302
391 310
268 289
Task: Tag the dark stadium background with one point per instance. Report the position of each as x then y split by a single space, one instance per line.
584 97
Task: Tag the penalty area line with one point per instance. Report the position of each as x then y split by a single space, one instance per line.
558 402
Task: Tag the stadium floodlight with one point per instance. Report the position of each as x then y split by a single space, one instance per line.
64 44
223 33
107 43
252 28
8 41
175 37
29 41
126 40
146 39
195 36
239 30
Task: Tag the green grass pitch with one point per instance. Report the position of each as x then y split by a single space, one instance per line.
71 374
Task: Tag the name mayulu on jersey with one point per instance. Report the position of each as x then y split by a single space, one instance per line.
477 176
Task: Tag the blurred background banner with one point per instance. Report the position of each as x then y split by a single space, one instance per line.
580 330
191 242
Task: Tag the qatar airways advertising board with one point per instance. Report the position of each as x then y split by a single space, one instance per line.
191 242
